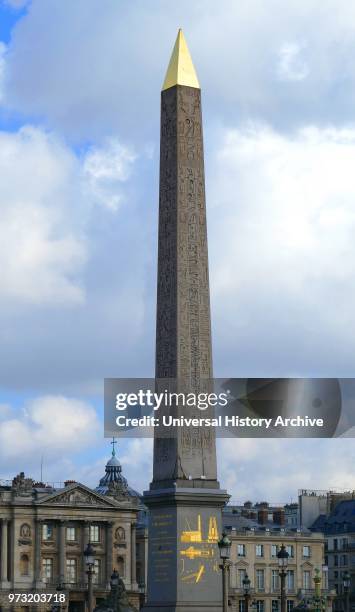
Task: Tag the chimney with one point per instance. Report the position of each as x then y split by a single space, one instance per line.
69 482
278 516
262 516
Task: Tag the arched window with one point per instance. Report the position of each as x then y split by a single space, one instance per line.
24 565
121 566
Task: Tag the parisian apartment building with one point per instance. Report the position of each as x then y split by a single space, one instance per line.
255 544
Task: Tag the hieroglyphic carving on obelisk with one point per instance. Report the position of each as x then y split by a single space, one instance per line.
184 498
183 334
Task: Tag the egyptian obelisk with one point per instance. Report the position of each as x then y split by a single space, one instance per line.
184 499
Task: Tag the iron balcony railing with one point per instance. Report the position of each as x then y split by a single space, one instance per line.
76 586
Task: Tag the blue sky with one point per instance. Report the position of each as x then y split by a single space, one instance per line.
79 152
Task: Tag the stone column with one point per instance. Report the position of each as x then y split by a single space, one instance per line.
85 541
62 573
4 553
38 540
11 554
109 543
133 557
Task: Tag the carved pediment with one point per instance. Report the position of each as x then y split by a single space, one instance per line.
307 565
76 495
241 564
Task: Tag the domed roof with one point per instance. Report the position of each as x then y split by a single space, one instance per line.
114 476
113 462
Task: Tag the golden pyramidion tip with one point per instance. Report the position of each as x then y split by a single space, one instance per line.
181 70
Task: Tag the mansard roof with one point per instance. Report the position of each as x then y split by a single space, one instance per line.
340 520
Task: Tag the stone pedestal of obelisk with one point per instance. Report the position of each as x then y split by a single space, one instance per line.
184 499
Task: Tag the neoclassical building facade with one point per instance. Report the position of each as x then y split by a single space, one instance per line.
254 552
44 531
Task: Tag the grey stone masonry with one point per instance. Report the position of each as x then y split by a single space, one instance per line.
183 332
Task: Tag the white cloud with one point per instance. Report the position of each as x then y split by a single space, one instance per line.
5 411
46 196
40 253
274 470
281 216
292 66
53 425
110 80
105 168
282 251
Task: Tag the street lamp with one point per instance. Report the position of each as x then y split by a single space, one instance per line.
90 563
224 546
114 579
59 605
282 556
114 585
346 585
246 589
318 603
61 589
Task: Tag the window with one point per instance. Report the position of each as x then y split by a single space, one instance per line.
241 576
335 544
274 550
343 560
275 580
290 580
306 579
344 542
94 533
24 565
289 549
47 569
97 571
71 534
275 605
47 532
241 550
71 570
306 552
259 550
241 605
290 605
260 606
336 561
260 579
